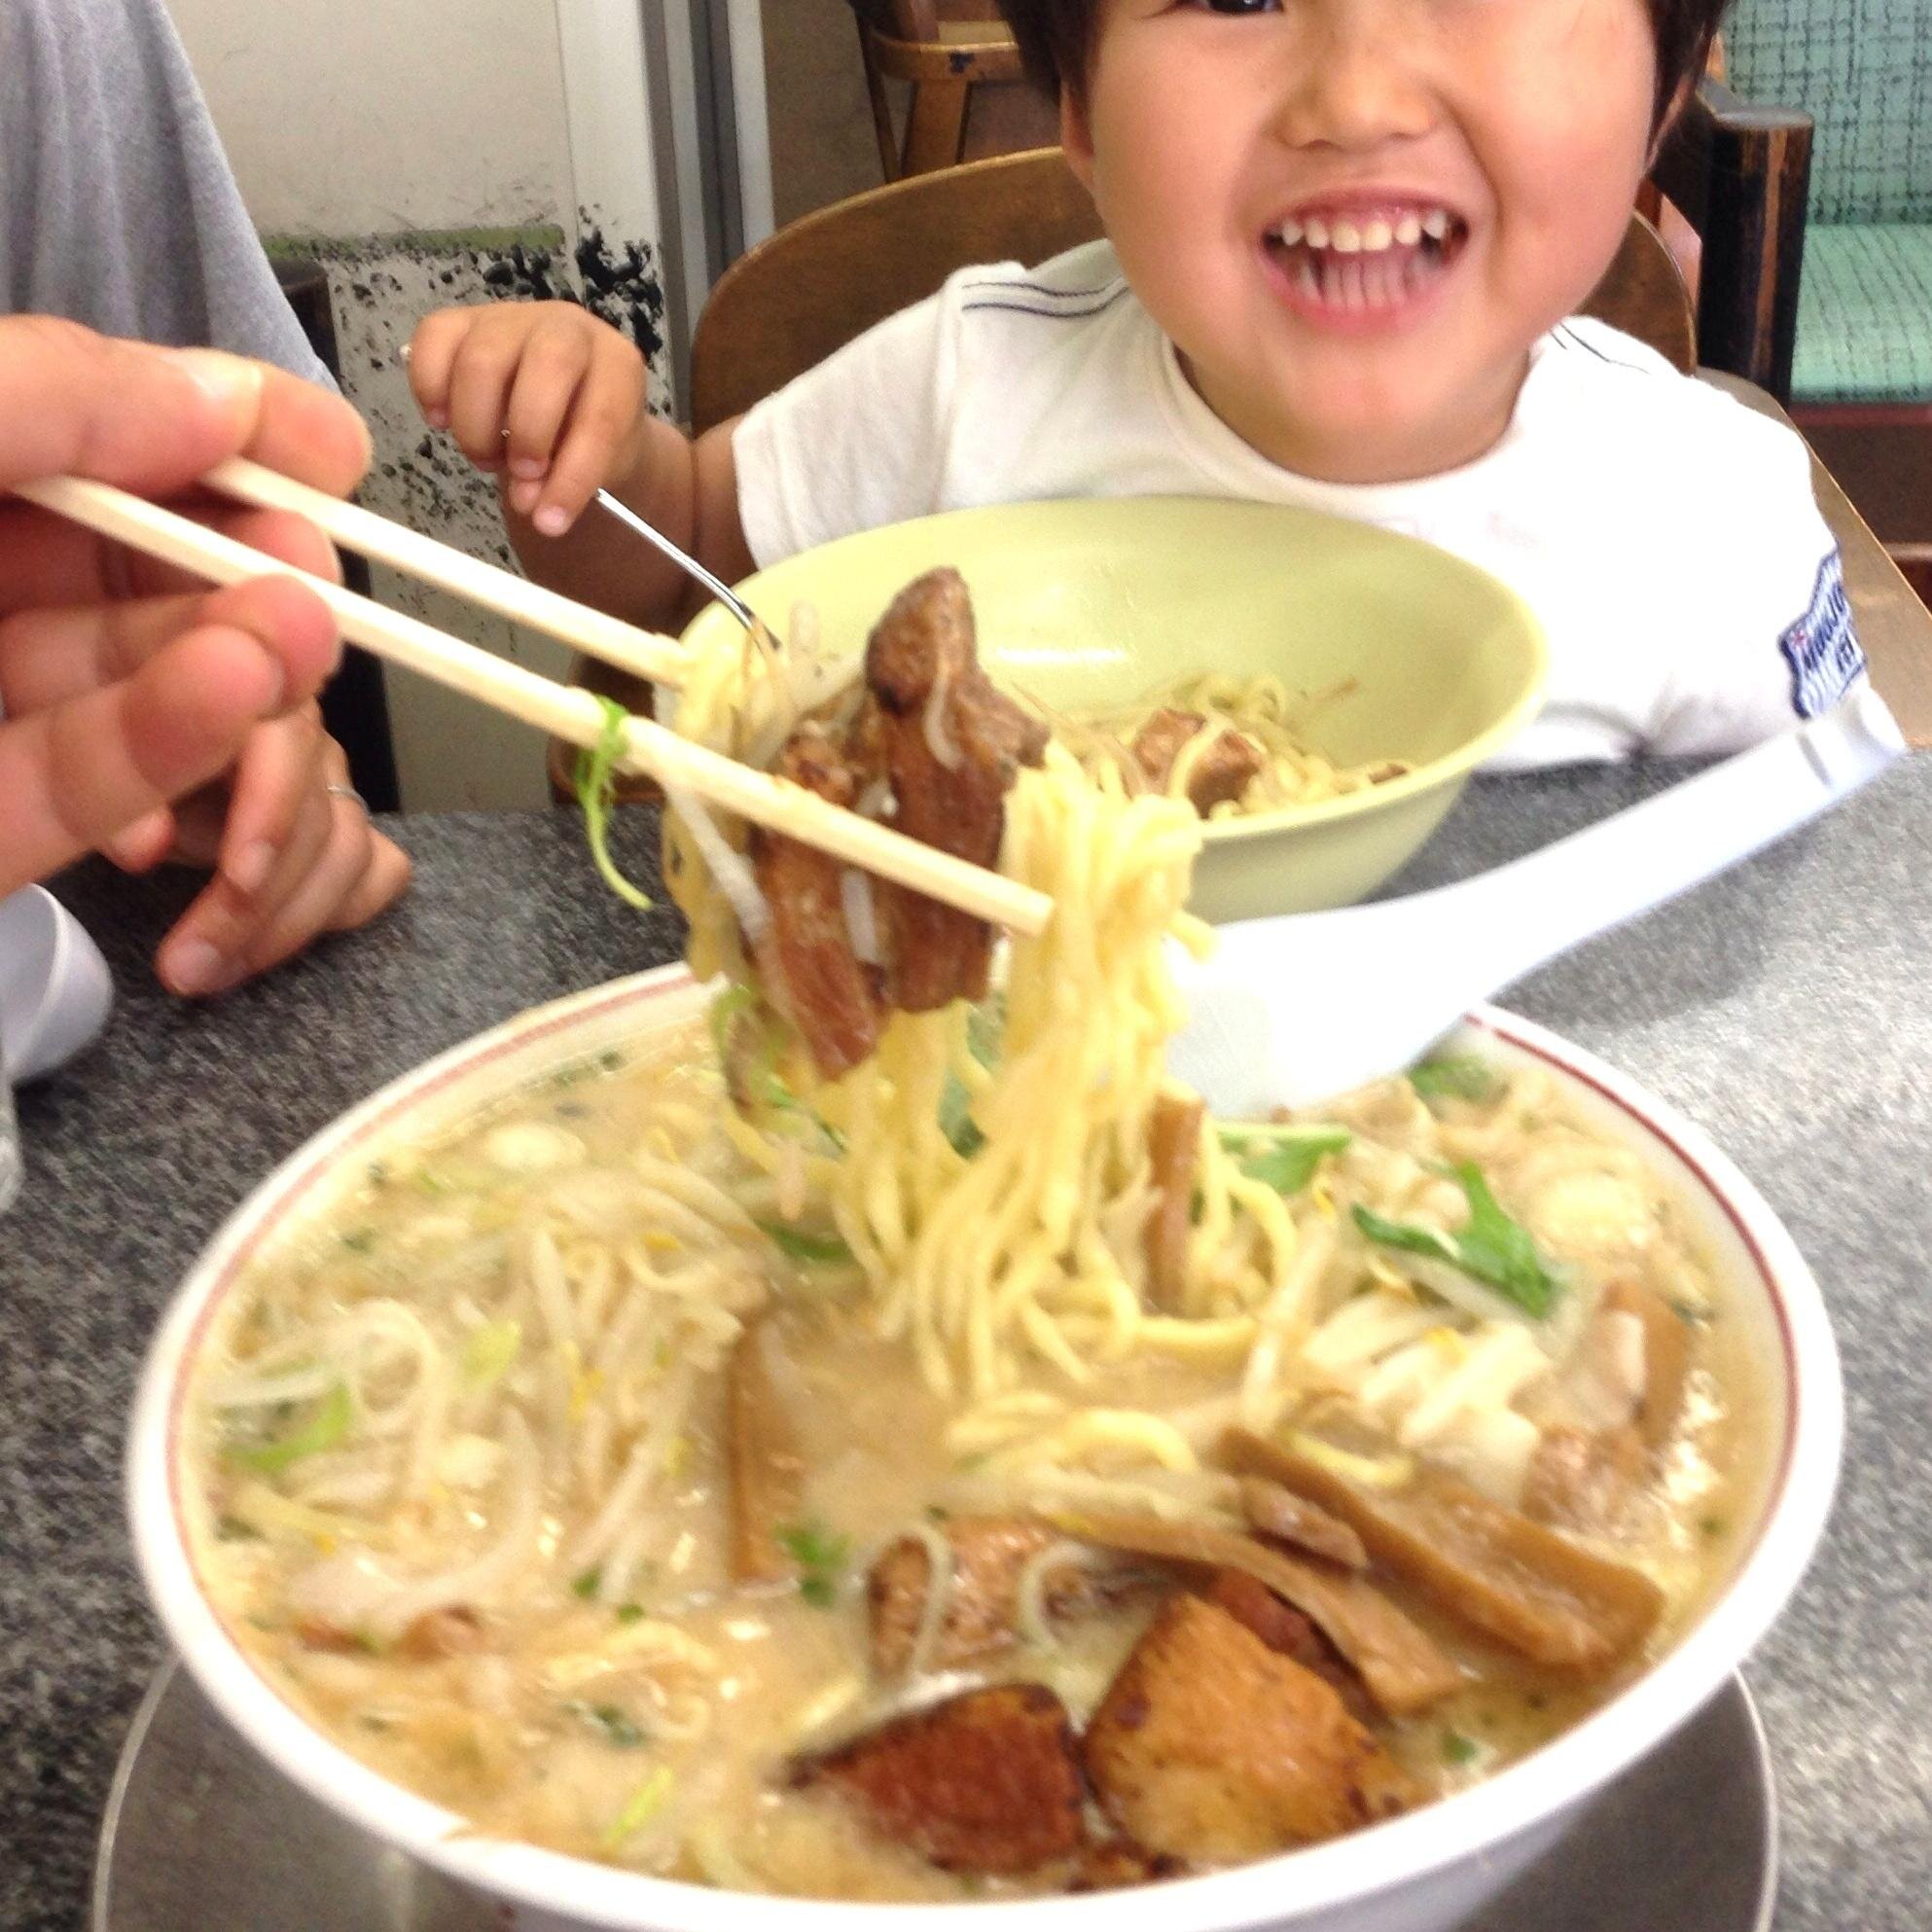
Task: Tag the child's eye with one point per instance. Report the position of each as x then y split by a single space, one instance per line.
1240 6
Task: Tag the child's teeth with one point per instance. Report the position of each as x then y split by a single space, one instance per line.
1436 223
1316 233
1345 238
1291 233
1408 230
1376 236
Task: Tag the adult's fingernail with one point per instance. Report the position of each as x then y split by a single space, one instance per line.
437 418
194 967
231 380
527 466
551 520
248 871
523 497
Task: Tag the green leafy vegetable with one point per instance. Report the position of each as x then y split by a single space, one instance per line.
586 1585
820 1553
490 1351
1284 1156
630 1613
984 1026
617 1725
646 1801
359 1241
595 779
327 1424
1458 1076
1458 1749
1489 1247
815 1251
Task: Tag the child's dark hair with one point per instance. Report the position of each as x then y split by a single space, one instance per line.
1057 37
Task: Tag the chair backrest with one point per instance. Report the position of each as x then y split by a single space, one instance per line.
822 280
829 276
1863 71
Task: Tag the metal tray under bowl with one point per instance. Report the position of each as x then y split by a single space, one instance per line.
202 1834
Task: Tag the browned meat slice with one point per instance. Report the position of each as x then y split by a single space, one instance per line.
989 1554
1584 1479
767 1470
1278 1513
952 746
984 1782
1117 1862
1173 1146
811 970
1403 1669
1515 1580
1211 1747
1220 775
1284 1628
457 1632
1666 1356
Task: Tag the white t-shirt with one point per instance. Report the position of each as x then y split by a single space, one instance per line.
1665 534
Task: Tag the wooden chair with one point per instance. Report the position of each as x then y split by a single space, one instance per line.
826 278
967 94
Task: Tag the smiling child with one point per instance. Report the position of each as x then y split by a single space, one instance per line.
1345 244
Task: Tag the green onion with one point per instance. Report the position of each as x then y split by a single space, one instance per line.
359 1241
1458 1749
1458 1076
986 1024
1489 1247
618 1726
324 1429
491 1350
646 1801
815 1251
596 788
820 1555
630 1613
586 1585
1284 1156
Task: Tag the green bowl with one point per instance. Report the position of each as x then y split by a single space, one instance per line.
1095 603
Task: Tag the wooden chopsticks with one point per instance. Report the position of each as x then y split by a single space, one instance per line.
642 653
565 710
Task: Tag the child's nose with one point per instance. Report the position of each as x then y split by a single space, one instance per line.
1355 82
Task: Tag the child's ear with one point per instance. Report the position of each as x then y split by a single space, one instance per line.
1076 138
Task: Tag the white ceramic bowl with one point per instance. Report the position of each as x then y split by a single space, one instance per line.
1422 1873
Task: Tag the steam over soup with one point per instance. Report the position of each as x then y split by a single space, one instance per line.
576 1472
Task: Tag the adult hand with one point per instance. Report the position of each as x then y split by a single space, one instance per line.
124 688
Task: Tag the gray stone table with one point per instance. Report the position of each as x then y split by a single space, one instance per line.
1785 1008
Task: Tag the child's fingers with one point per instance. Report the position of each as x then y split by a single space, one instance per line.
480 384
608 405
432 356
555 359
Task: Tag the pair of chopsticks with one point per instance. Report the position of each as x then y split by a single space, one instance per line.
563 710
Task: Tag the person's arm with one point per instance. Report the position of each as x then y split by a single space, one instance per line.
553 402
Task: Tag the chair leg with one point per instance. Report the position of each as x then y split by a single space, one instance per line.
882 109
934 127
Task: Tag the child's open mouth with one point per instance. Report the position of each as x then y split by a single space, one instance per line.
1363 266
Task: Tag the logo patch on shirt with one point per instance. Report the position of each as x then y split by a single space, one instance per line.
1821 648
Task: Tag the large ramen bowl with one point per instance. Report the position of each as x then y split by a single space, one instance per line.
1091 606
1419 1873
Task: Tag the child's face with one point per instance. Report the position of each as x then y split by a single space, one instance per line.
1481 156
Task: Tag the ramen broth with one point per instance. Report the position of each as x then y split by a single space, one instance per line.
485 1391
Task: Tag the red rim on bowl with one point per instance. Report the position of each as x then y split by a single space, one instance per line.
1297 1886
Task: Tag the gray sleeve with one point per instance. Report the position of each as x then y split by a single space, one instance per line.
117 205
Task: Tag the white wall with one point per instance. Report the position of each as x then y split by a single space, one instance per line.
423 150
364 116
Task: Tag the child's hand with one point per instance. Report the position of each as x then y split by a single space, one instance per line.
298 857
540 392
